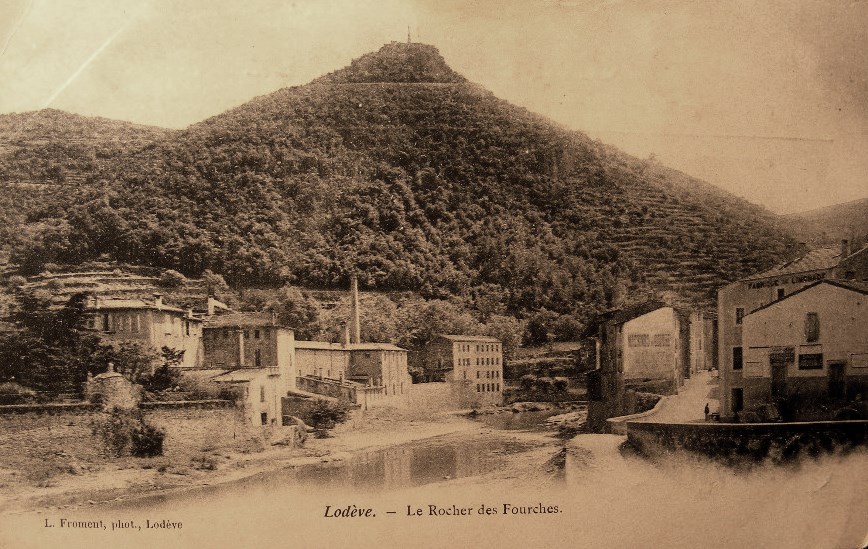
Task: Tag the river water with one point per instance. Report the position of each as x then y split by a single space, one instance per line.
416 493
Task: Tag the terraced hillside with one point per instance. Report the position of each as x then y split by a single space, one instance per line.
398 169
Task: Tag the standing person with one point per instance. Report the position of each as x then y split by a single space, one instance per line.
707 411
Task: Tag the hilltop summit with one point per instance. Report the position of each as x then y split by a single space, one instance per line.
398 169
397 62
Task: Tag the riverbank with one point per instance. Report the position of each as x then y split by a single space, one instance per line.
72 484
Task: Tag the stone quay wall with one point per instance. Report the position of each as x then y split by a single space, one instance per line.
740 442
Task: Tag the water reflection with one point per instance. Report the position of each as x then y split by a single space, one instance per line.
407 465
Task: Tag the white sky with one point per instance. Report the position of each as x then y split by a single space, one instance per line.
767 99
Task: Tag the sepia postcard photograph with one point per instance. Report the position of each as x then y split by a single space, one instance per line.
448 274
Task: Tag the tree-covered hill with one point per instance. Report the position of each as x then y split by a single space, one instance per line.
400 170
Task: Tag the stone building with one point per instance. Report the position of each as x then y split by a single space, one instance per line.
813 341
472 363
370 364
256 356
645 347
703 349
736 300
153 325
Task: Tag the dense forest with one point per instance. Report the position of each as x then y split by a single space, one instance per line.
395 168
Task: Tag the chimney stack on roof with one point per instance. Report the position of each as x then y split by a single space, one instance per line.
345 335
357 338
158 301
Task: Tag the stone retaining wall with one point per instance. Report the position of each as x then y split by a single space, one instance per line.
738 442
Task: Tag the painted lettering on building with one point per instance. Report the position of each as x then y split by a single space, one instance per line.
647 340
795 279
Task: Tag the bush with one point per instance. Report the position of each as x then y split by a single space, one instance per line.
14 393
326 414
16 281
163 378
122 431
527 382
55 285
146 440
561 384
544 384
114 431
172 279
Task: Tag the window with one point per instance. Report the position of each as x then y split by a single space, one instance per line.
465 374
477 374
812 327
105 323
811 362
264 418
498 387
737 358
739 315
478 388
262 393
255 334
187 326
781 293
246 334
257 358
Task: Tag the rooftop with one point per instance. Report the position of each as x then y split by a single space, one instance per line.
242 375
622 315
102 304
853 285
815 260
454 337
324 345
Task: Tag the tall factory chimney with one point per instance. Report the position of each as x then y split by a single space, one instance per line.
357 338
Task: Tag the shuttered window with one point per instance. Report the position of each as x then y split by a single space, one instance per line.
812 327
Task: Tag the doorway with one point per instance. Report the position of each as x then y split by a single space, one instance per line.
837 387
737 400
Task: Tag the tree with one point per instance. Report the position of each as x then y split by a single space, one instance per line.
420 321
214 283
297 311
51 351
508 330
540 327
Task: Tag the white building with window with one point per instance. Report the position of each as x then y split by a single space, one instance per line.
814 340
472 363
739 298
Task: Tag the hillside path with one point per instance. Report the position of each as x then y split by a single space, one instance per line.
689 404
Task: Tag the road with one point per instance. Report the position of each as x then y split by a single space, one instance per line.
689 404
